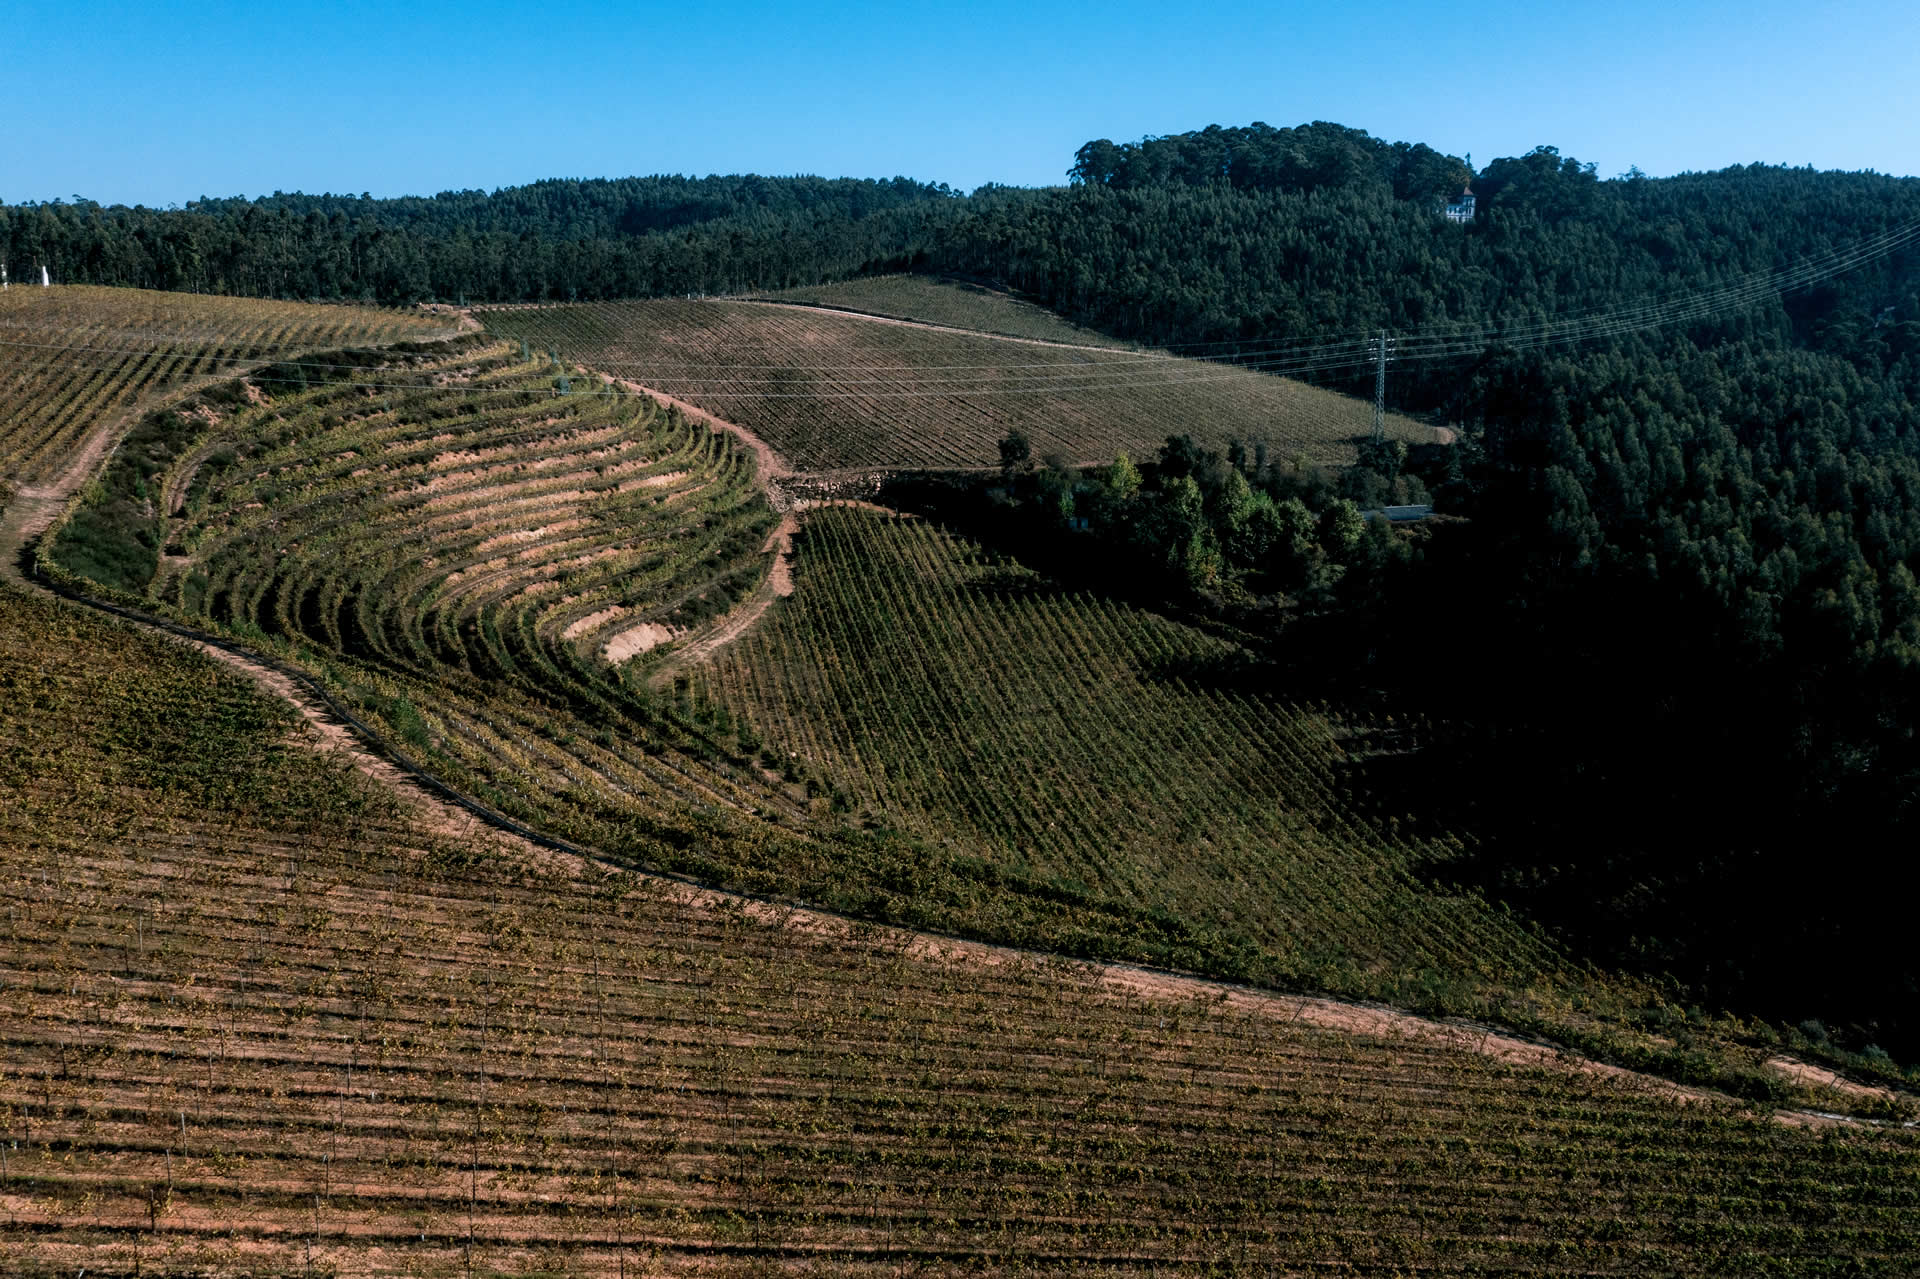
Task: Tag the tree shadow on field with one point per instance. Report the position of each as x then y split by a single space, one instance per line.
1643 847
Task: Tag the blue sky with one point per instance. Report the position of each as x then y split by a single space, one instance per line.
159 103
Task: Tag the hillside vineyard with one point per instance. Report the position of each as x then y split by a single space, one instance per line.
272 1020
1077 740
841 834
832 391
73 356
568 602
538 595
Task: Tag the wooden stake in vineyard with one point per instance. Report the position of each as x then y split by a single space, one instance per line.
473 1182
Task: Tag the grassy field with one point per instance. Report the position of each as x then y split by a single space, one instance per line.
76 354
831 391
264 1017
954 303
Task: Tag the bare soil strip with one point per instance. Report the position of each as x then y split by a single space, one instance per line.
638 639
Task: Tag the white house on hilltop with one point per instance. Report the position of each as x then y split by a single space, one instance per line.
1460 208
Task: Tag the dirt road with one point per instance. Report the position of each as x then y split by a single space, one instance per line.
1131 353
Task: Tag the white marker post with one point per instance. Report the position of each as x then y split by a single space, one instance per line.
44 281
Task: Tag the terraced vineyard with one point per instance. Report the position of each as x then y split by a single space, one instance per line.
264 1018
833 391
950 302
554 520
74 355
471 555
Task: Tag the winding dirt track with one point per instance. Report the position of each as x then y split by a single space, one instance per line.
902 322
772 466
328 728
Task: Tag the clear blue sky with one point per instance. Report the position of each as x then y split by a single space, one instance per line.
158 103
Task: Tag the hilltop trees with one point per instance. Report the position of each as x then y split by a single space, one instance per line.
1260 157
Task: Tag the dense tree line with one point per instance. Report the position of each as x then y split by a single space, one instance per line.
576 209
1243 532
558 240
1209 262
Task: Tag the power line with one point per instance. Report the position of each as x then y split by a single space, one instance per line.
1122 370
1807 271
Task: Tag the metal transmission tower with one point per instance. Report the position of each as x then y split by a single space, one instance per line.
1382 352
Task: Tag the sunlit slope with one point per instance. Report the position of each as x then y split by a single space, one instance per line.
457 545
73 355
949 302
833 391
263 1020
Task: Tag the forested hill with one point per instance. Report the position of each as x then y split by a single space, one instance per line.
1184 261
559 239
1210 236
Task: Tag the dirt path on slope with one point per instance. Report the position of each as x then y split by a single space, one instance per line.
777 586
29 513
329 734
772 465
872 318
771 468
34 507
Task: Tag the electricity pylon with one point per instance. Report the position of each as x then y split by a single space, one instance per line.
1382 352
